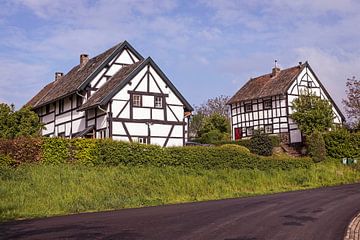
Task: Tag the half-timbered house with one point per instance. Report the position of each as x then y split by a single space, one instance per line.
265 103
117 94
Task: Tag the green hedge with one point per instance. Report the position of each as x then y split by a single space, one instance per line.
112 153
275 140
342 143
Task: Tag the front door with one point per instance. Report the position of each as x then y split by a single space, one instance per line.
238 133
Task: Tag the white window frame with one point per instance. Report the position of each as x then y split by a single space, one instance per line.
136 100
158 102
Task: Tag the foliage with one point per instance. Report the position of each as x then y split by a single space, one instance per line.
236 147
341 143
46 190
275 141
85 151
215 128
215 105
22 149
23 122
316 146
312 113
261 144
55 150
352 103
6 161
212 109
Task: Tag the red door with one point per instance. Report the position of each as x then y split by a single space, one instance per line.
238 133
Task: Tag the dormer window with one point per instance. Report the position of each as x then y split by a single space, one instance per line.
136 100
158 102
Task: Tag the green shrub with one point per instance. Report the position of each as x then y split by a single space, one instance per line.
118 152
236 147
316 146
6 161
55 150
261 144
341 143
275 141
85 151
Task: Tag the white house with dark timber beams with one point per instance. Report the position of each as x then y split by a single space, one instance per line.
265 102
117 94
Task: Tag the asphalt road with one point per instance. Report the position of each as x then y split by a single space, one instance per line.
313 214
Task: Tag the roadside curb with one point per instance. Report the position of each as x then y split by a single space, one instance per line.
353 231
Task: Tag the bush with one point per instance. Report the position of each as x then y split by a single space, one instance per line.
316 146
341 143
261 144
22 149
6 161
85 151
55 150
236 147
275 141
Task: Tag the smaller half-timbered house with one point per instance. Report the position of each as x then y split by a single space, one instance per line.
117 94
265 103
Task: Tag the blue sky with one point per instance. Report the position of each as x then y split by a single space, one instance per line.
206 47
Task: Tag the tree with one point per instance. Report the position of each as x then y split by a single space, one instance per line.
202 113
214 128
214 105
352 103
312 113
23 122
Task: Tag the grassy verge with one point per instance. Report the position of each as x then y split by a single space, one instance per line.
42 190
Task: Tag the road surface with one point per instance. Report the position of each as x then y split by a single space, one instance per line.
322 214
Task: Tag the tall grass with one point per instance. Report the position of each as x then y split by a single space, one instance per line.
42 190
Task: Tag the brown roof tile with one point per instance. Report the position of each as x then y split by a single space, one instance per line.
39 95
267 85
69 83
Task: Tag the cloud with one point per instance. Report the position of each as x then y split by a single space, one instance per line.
20 80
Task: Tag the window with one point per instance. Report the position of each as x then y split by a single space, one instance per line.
310 84
268 129
136 100
249 131
78 100
267 104
142 140
248 107
61 106
47 109
158 102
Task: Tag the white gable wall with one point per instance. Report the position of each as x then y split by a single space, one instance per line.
164 125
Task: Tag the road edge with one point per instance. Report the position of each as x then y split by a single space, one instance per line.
353 230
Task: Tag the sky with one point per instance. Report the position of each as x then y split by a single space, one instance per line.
206 48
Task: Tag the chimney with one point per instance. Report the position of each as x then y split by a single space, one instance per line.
275 70
58 75
84 58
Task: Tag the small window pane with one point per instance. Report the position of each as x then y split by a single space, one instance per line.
267 104
268 129
137 100
158 102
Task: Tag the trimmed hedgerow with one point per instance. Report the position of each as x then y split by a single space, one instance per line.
55 150
341 143
22 149
275 141
112 153
85 151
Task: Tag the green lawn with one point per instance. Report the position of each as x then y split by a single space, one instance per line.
43 190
